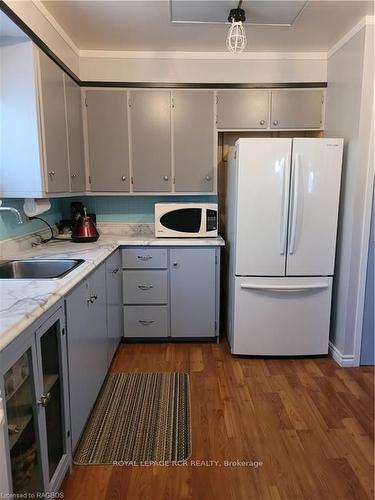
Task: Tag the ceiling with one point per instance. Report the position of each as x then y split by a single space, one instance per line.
146 25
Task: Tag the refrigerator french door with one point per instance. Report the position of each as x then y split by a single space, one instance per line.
287 194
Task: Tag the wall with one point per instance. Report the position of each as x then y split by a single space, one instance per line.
38 20
131 209
349 114
204 68
9 228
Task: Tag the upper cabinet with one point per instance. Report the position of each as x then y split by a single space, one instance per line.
75 135
108 144
194 137
284 109
297 109
151 140
41 126
54 132
242 109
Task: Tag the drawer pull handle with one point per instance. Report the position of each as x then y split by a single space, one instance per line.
144 257
145 322
115 271
145 287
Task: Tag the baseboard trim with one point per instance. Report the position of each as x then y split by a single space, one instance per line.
343 360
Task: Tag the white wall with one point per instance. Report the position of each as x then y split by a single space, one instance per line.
266 68
349 114
43 26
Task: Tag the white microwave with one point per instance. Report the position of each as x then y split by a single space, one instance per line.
186 220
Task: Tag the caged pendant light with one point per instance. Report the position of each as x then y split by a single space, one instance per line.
236 38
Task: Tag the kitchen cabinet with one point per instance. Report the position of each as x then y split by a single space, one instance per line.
75 135
108 144
193 284
87 346
115 325
194 140
242 109
297 109
171 292
53 116
36 406
151 140
42 138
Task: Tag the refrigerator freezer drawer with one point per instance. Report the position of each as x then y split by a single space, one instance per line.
281 316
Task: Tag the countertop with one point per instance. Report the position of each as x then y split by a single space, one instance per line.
24 301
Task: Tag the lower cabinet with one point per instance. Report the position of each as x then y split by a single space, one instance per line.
86 317
115 326
171 292
34 398
193 281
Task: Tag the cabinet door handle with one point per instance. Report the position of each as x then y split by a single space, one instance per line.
175 264
276 122
123 178
166 178
44 399
262 122
144 257
51 173
145 287
208 177
73 176
115 271
145 322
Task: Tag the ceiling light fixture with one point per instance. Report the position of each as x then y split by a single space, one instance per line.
236 38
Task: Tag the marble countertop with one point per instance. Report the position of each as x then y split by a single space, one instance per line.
24 301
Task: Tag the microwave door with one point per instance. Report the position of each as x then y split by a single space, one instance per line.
183 220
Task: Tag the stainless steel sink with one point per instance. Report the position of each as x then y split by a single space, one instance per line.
37 268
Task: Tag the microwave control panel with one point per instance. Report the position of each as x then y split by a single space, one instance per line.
211 222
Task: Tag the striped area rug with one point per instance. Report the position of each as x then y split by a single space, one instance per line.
138 418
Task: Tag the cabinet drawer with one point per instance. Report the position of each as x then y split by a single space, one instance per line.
144 258
146 321
145 287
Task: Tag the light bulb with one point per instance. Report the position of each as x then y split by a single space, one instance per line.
236 38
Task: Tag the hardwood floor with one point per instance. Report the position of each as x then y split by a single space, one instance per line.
309 423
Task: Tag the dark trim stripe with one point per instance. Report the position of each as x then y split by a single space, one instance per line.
162 85
148 85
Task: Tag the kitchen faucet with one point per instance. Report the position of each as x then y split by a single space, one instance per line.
13 210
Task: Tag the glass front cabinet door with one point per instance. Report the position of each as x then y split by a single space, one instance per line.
35 403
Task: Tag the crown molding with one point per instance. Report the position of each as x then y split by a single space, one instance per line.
56 26
250 56
365 21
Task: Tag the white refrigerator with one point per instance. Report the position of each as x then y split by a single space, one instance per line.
282 208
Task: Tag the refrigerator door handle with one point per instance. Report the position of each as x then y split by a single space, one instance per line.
285 288
294 211
285 162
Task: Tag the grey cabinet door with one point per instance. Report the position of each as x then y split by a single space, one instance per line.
81 360
297 109
108 144
98 326
151 140
193 133
87 347
115 325
75 135
54 125
242 109
193 292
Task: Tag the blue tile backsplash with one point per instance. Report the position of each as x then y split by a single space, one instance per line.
130 209
9 228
